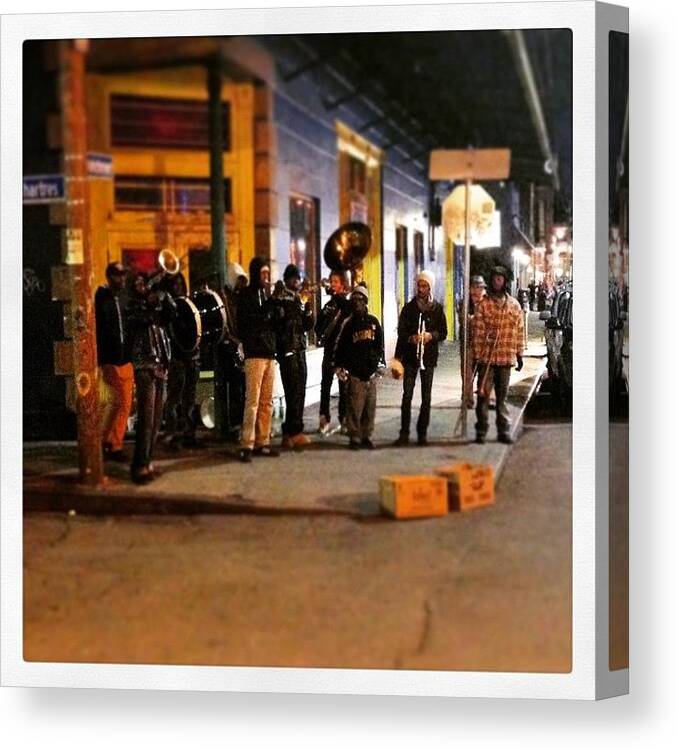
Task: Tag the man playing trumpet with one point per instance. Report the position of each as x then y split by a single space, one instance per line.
421 326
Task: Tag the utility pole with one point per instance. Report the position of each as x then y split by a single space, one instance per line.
216 118
218 244
78 255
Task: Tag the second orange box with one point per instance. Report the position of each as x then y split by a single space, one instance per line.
469 485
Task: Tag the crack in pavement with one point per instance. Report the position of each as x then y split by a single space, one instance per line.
423 639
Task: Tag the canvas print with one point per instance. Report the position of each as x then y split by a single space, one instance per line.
618 322
297 350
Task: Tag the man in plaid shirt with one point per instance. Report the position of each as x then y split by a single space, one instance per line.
497 344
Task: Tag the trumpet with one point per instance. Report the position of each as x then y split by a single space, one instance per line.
308 290
170 265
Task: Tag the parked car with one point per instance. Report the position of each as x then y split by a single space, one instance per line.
616 323
558 337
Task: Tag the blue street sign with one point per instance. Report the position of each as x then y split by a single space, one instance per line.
44 188
99 165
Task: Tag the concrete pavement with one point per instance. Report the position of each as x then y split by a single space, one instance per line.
326 478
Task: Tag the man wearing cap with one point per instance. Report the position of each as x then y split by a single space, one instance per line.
292 320
421 326
116 368
359 359
497 344
477 292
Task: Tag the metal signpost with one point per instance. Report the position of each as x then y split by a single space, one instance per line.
468 165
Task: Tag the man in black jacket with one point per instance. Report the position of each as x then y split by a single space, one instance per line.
116 368
293 319
421 326
149 313
359 359
255 330
327 328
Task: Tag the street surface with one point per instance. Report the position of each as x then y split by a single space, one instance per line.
484 590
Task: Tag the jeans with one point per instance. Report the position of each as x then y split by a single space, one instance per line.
362 408
325 390
426 378
181 387
293 376
499 376
258 415
150 384
120 381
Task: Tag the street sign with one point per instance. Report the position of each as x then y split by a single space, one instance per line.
44 188
99 165
470 164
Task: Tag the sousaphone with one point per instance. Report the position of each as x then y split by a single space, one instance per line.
347 246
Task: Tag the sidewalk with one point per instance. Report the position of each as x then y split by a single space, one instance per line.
326 478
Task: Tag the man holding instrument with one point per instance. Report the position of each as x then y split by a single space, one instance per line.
497 344
421 326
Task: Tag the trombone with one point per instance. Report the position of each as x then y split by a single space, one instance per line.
420 341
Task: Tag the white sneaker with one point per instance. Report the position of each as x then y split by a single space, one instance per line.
324 426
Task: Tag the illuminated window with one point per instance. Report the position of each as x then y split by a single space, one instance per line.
175 195
163 123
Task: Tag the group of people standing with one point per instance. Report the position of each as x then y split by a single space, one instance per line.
268 327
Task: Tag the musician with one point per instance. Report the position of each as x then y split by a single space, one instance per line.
327 328
497 344
182 382
292 321
116 369
229 386
149 313
255 330
477 291
421 326
359 358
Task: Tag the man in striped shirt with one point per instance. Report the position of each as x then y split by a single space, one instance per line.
497 345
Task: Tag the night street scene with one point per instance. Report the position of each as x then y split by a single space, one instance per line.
297 335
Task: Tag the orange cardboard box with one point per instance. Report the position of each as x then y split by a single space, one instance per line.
415 496
469 485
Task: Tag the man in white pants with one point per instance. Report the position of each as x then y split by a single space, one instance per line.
255 330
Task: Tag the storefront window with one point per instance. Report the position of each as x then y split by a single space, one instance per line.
163 123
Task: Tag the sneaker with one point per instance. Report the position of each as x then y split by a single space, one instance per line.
245 456
480 439
266 450
402 441
367 443
324 426
422 441
354 445
300 440
506 439
343 429
142 475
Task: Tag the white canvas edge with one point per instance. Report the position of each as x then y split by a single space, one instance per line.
609 683
578 16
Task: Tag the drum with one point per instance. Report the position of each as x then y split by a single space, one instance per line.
200 319
212 314
187 326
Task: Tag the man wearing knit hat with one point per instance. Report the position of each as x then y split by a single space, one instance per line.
421 326
292 320
359 359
